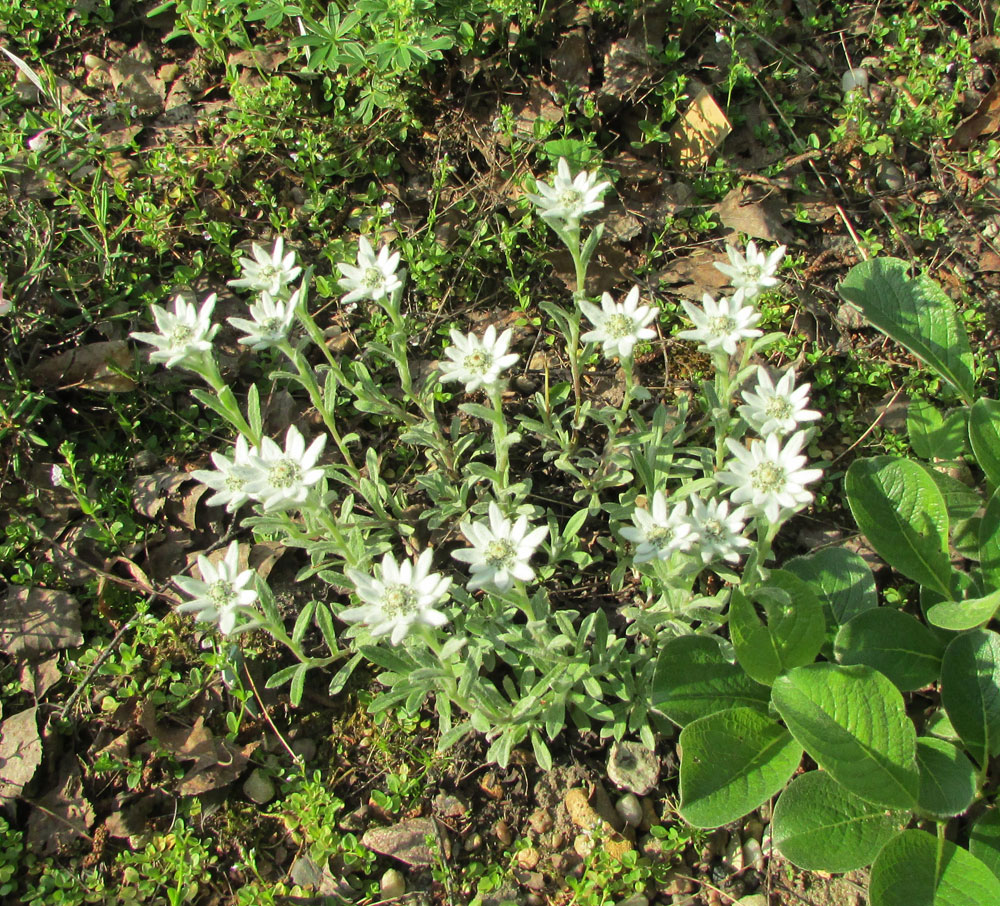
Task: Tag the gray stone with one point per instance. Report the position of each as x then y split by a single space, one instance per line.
392 884
633 767
258 787
630 809
405 841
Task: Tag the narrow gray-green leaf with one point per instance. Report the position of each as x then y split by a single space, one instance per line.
917 314
731 762
958 616
984 840
841 578
947 779
853 723
916 869
984 432
970 691
820 825
792 634
894 643
933 436
903 516
693 679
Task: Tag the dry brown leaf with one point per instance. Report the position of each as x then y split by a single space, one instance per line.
34 621
539 106
62 815
699 132
20 753
629 70
571 63
37 677
93 366
151 492
985 121
136 82
698 270
756 211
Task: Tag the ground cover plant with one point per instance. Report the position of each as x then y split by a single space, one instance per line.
412 487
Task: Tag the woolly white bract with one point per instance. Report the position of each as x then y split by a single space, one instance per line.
500 550
777 409
659 532
569 199
769 477
373 278
721 324
221 593
754 271
477 362
402 597
268 272
185 334
618 326
229 480
282 478
272 320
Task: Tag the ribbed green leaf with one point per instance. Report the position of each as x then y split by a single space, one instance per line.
841 578
984 432
947 778
970 691
984 840
894 643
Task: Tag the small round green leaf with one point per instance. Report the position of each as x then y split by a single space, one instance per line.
853 722
916 869
731 762
947 779
841 578
894 643
970 691
984 840
693 679
821 826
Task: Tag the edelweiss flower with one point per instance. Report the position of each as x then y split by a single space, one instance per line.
500 550
282 478
619 325
722 324
272 320
719 531
268 273
404 595
185 334
753 273
373 278
477 363
777 409
657 532
220 595
229 481
569 199
770 477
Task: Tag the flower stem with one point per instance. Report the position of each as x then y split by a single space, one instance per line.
500 439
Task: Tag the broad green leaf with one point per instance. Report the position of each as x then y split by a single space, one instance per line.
731 762
917 314
958 616
902 514
821 826
933 436
984 432
841 578
793 632
984 840
916 869
693 679
989 542
947 779
894 643
961 501
853 723
970 691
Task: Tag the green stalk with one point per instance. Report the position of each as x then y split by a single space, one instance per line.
500 438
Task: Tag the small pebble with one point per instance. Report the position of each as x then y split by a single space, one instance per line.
473 843
305 748
540 821
528 858
635 900
258 787
630 809
854 80
392 884
503 833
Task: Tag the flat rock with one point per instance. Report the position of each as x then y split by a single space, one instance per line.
406 841
633 767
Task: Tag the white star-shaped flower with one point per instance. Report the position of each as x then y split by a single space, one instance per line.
281 478
619 325
769 477
403 596
477 362
185 334
723 324
221 595
268 272
229 480
500 550
659 532
753 272
569 199
373 278
719 532
272 320
777 409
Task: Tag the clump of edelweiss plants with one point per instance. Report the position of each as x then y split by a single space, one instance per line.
495 619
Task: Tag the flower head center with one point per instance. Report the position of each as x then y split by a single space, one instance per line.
721 325
284 474
269 272
570 198
273 325
768 477
181 334
235 482
478 362
399 601
373 278
753 271
619 326
712 528
499 553
778 407
221 593
660 535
